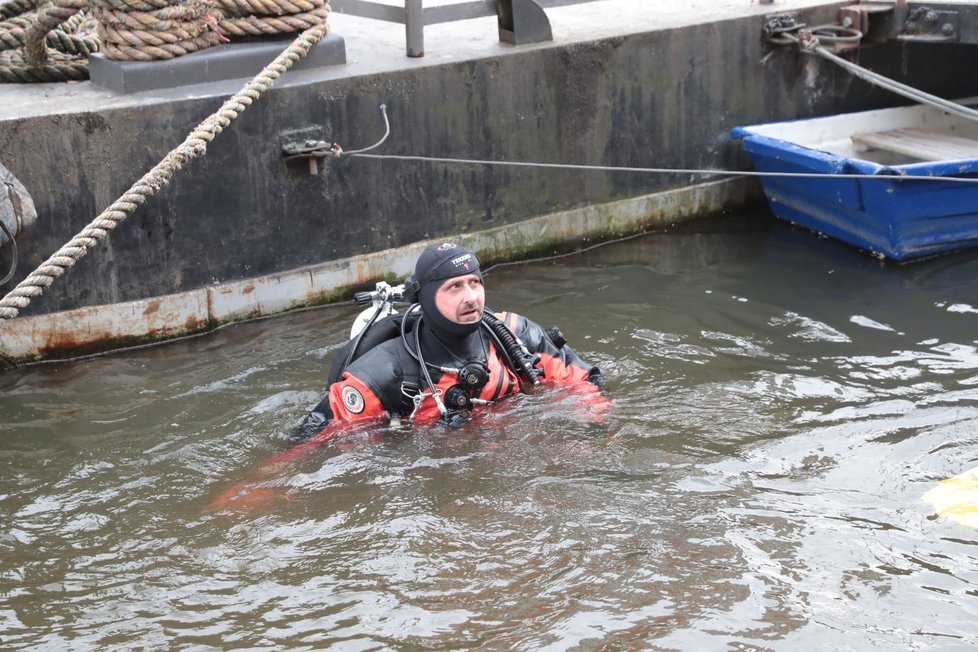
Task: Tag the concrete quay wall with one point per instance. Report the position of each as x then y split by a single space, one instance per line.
244 227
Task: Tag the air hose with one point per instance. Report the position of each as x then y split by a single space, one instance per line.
522 361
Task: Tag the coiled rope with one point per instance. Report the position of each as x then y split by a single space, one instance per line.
49 43
194 146
52 42
257 17
147 30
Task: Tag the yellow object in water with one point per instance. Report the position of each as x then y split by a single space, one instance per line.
957 498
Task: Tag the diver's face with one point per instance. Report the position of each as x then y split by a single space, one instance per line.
461 299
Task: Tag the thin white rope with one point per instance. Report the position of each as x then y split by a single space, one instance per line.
644 170
387 132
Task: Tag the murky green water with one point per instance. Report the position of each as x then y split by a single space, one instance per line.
781 404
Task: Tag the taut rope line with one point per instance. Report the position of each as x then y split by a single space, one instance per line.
644 170
194 146
809 41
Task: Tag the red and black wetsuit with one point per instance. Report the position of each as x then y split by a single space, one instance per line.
385 380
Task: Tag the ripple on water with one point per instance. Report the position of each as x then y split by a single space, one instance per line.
779 410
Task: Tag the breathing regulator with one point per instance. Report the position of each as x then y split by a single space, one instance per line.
382 301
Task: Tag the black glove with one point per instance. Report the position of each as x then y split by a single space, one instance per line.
312 425
597 380
455 418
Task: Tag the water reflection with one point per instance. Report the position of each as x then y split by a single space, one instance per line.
781 404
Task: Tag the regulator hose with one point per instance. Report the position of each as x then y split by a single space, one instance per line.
522 360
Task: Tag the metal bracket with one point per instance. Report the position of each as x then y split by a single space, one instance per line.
885 21
777 25
306 145
784 29
522 22
312 151
928 25
855 17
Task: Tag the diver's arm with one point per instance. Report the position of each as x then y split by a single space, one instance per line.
562 365
351 399
596 378
348 399
317 419
559 363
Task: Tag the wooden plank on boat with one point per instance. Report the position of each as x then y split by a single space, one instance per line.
920 144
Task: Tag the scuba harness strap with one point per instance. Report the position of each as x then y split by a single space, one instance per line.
508 318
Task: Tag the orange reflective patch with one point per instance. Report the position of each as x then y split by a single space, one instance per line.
350 399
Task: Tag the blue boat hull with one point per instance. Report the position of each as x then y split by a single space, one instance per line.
892 218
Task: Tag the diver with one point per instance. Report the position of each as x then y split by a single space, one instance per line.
446 355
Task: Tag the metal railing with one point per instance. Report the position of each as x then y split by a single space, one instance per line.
520 21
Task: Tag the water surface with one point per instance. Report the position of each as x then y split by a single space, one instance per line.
781 404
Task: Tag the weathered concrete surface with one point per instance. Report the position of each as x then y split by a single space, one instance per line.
621 85
129 323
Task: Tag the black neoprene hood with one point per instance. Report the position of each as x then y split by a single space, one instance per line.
436 263
444 260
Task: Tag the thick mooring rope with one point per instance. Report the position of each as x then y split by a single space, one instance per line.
35 40
256 17
194 146
147 30
62 35
49 44
11 8
53 43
